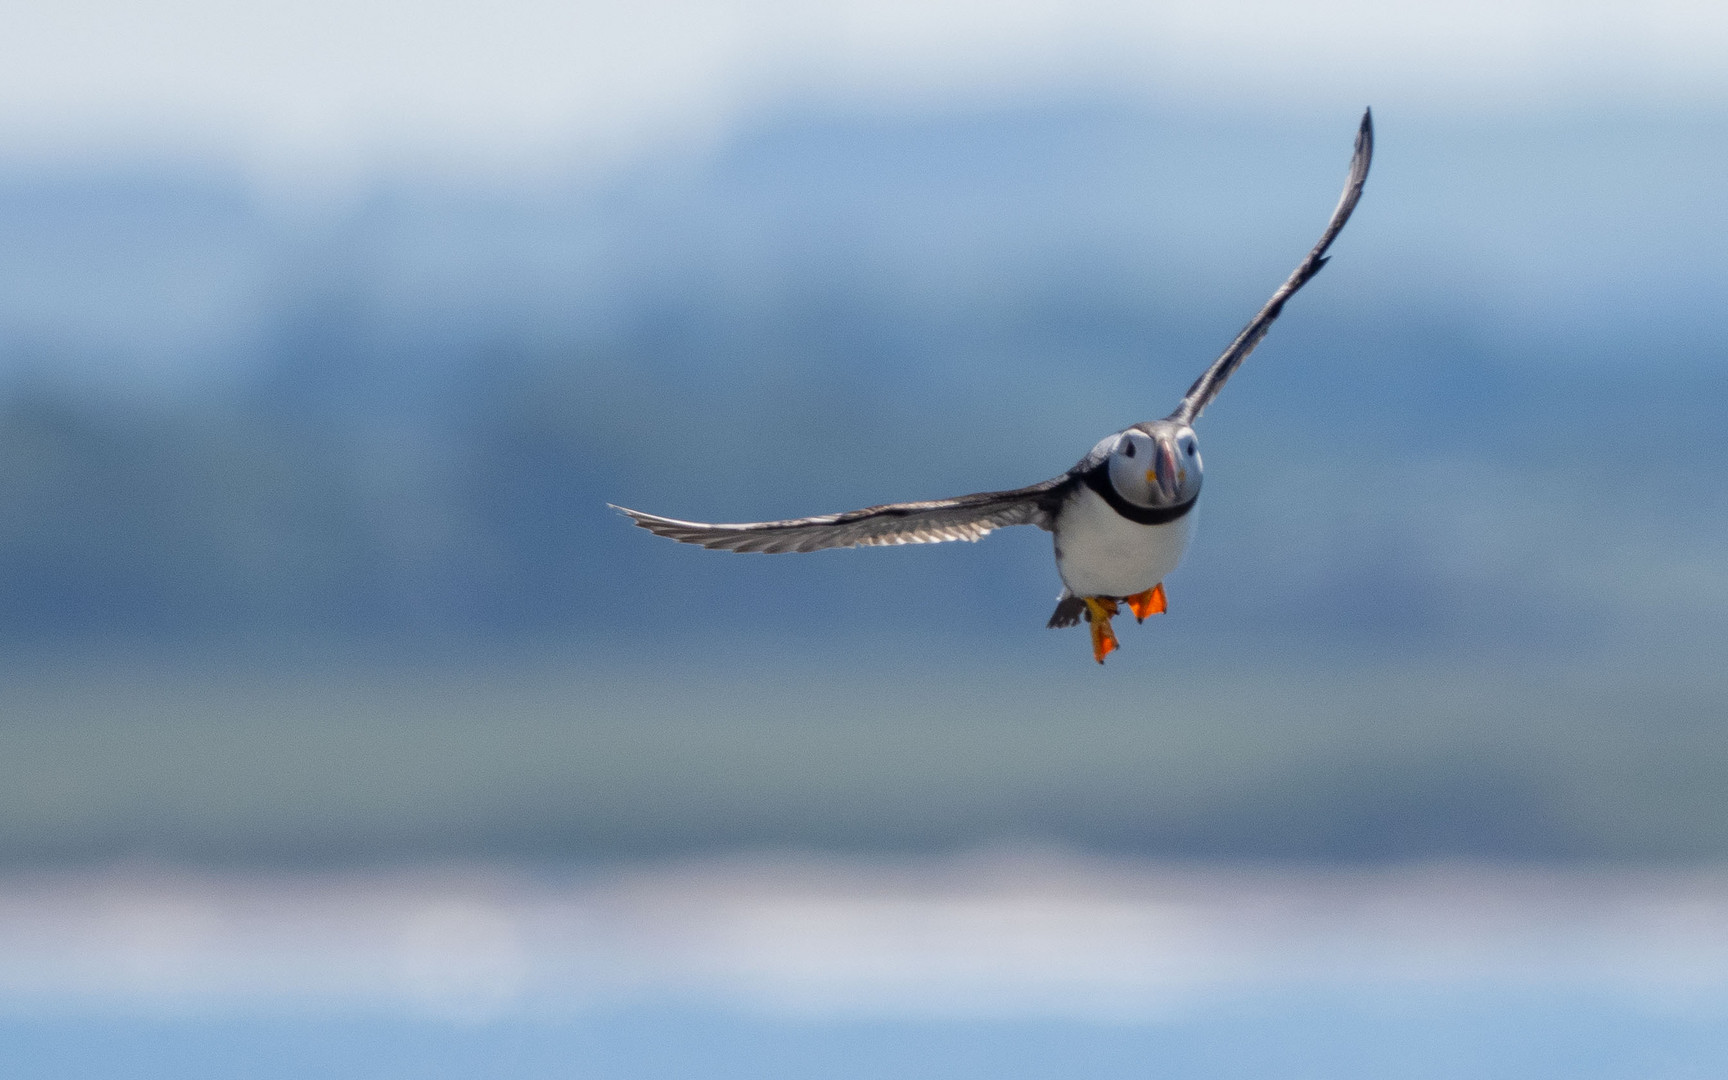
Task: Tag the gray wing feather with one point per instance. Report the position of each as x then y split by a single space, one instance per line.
968 517
1206 387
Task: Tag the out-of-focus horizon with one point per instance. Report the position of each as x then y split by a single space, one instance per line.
327 331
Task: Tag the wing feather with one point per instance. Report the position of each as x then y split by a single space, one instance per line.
1206 387
968 517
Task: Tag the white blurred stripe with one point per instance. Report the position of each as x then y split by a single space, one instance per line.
1013 934
328 79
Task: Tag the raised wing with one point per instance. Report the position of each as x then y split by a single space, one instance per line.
968 517
1206 387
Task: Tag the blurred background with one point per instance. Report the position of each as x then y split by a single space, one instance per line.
344 730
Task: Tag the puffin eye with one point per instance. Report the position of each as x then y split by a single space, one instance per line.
1190 449
1128 450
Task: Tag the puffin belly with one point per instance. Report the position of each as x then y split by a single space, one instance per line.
1101 553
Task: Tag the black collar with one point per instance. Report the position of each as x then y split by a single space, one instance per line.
1098 479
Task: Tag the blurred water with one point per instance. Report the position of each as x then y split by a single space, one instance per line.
1337 1036
1021 963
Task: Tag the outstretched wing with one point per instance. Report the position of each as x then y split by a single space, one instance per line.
968 517
1206 387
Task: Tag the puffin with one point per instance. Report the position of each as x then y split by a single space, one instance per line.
1121 518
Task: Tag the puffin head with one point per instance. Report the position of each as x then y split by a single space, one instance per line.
1156 464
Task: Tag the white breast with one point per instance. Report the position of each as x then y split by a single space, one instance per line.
1101 553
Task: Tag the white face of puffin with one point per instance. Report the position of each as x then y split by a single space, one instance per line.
1156 464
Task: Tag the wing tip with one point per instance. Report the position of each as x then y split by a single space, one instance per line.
671 528
637 517
1364 145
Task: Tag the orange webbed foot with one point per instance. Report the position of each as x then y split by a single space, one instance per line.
1150 602
1099 611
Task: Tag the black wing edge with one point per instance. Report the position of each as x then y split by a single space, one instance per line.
1206 387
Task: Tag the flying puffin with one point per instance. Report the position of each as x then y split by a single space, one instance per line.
1122 517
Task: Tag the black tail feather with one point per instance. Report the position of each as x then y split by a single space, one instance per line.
1068 611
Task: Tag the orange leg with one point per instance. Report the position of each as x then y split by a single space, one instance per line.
1150 602
1099 611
